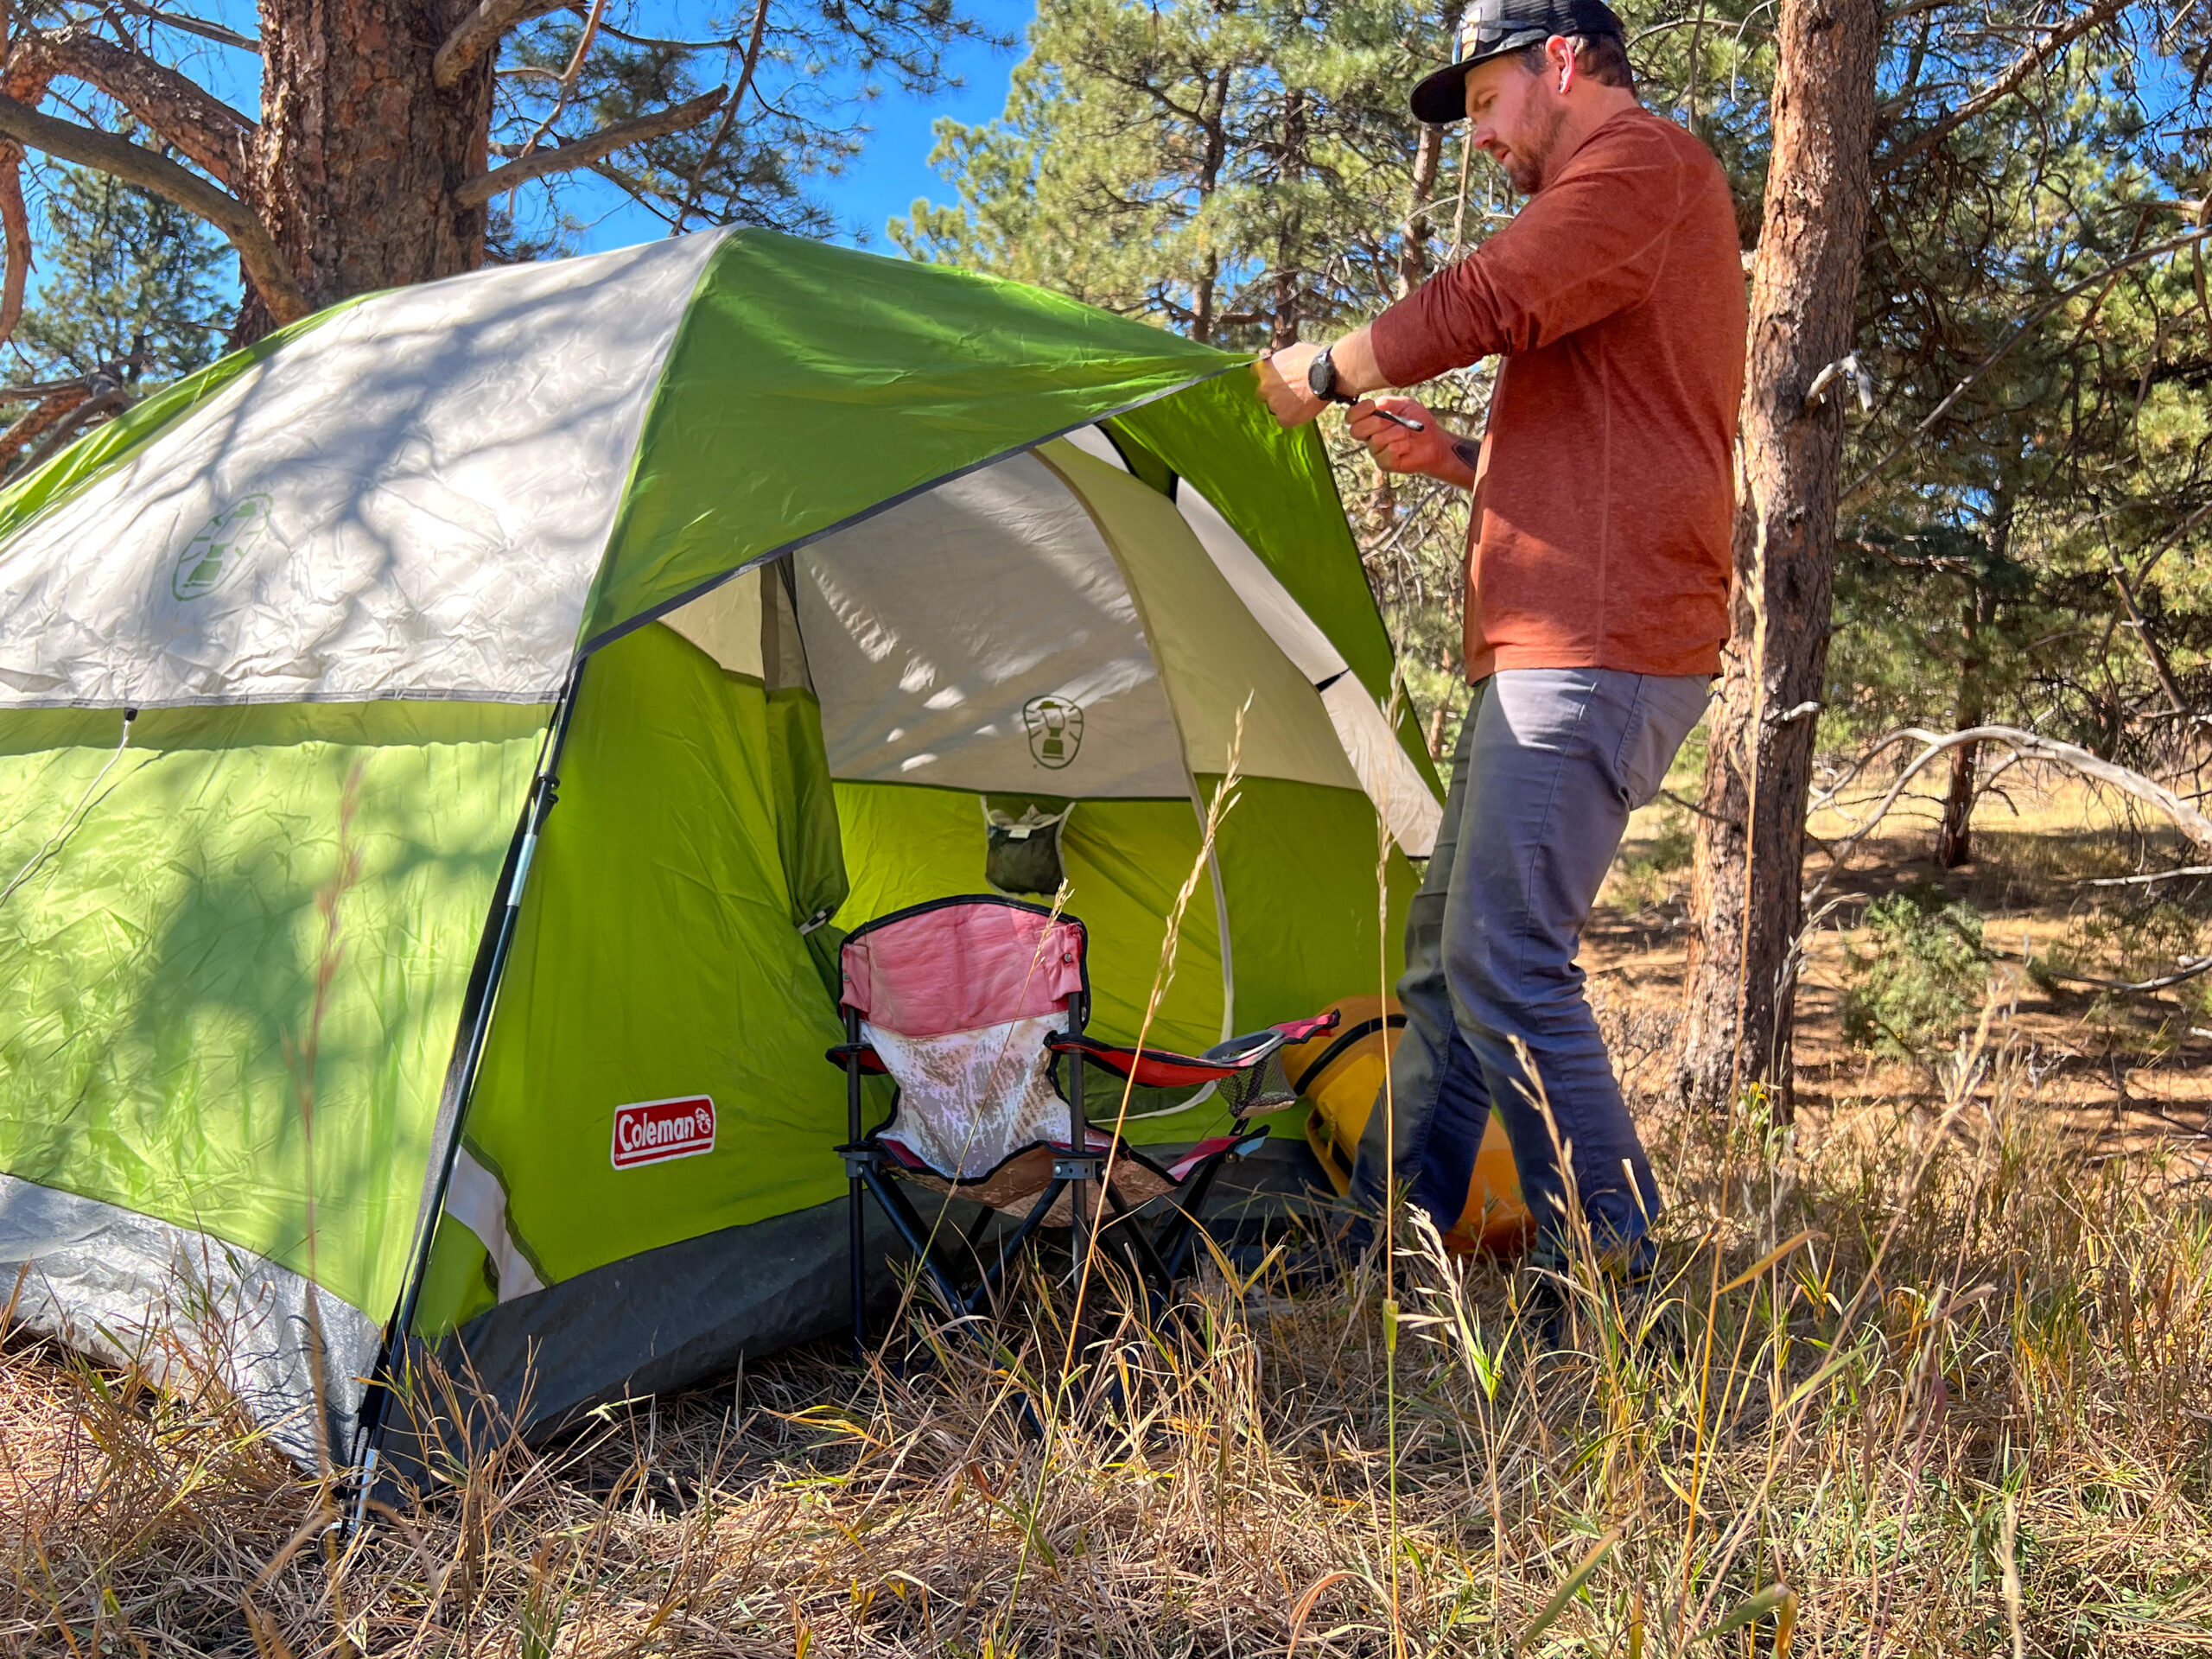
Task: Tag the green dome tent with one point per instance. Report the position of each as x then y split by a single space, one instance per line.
454 732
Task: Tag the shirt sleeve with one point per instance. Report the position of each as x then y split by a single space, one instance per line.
1589 245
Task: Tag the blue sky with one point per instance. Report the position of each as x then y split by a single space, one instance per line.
892 171
894 168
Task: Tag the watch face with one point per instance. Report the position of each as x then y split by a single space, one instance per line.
1321 378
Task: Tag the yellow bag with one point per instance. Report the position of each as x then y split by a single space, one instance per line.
1341 1072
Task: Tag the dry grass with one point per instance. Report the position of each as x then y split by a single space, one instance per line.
1965 1412
1928 1376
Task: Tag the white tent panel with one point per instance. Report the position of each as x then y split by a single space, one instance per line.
1215 657
725 623
981 637
1262 590
410 500
1386 772
1094 442
1401 794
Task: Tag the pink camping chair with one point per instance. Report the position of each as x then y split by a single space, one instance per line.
969 1005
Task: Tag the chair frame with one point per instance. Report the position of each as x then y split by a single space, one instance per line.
1157 1257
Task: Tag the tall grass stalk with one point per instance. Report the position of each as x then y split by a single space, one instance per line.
1066 1378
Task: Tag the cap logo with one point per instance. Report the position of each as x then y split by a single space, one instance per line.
1470 28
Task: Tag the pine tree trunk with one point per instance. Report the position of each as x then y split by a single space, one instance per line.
1954 834
1288 308
1745 893
359 152
1412 248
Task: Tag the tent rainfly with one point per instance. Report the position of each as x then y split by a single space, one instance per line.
441 746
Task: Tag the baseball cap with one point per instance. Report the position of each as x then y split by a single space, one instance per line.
1490 29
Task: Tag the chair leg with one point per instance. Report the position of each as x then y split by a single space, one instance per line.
916 1235
858 1238
1011 1244
858 1250
1178 1231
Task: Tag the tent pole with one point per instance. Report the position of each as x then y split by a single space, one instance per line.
545 793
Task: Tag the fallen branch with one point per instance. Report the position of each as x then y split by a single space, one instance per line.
2156 876
586 151
2032 747
2190 968
135 164
2028 746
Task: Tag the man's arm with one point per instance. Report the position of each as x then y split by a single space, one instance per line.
1582 250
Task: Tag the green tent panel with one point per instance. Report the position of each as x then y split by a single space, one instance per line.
486 705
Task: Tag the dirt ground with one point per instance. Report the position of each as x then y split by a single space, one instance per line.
2126 1066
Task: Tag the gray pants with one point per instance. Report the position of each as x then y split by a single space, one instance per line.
1550 763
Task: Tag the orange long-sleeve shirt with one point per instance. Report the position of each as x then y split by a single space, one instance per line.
1603 503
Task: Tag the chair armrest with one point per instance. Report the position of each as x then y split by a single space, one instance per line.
1160 1068
1155 1067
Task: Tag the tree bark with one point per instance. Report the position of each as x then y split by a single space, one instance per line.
361 156
1745 890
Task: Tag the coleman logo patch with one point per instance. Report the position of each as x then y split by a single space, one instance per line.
653 1131
1055 726
218 551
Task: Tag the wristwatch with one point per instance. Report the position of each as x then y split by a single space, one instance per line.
1321 380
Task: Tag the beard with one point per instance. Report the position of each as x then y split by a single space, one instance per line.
1528 160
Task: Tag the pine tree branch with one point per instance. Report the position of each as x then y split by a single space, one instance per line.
590 147
199 26
34 424
111 402
2020 332
2004 86
16 237
480 34
210 133
135 164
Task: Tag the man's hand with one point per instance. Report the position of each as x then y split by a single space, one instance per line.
1431 451
1282 384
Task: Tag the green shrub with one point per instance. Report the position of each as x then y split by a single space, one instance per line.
1922 977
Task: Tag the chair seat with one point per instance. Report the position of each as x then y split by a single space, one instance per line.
1012 1187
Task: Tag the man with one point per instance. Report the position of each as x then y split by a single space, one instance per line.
1597 584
